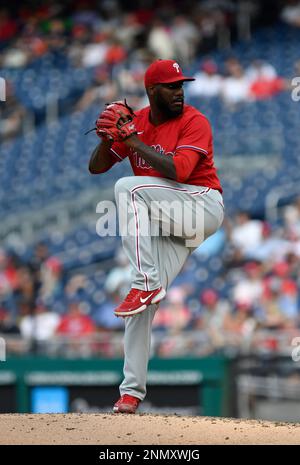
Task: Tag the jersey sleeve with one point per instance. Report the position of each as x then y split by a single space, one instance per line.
195 135
185 161
194 141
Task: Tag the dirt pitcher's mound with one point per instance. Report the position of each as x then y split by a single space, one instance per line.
137 429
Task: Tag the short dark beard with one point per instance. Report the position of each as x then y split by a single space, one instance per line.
165 109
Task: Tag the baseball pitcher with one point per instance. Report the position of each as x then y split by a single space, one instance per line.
175 187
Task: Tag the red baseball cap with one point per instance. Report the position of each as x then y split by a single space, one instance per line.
164 72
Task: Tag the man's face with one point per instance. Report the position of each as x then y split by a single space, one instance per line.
169 98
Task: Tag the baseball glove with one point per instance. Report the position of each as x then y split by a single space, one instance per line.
115 123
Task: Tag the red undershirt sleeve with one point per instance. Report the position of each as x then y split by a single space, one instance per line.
119 152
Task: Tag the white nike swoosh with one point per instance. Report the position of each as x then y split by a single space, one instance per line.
140 132
144 300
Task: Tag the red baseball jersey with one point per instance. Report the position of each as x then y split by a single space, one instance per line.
187 138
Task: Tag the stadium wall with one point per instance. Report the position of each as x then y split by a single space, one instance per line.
189 386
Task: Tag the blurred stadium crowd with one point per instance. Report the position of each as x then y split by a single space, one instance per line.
62 62
81 52
255 291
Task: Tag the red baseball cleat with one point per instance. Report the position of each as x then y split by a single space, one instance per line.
137 301
126 404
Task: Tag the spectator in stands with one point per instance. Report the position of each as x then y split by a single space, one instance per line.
27 287
74 323
128 31
9 284
8 27
8 275
115 53
38 325
213 317
51 279
263 80
7 324
78 331
293 262
281 289
290 13
16 55
102 90
246 234
40 255
34 40
249 288
12 114
131 82
35 266
130 78
240 326
274 246
94 53
235 87
173 315
160 41
118 280
292 218
260 69
208 81
74 286
208 22
273 307
84 15
185 37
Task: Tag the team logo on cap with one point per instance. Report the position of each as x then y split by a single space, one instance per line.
177 67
